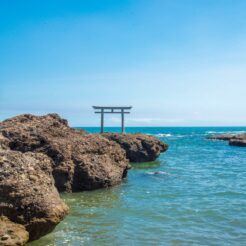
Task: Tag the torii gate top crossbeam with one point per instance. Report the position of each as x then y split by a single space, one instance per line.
108 107
112 110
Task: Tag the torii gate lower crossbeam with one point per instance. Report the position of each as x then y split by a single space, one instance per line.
112 110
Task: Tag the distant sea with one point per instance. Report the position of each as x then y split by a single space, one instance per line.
197 197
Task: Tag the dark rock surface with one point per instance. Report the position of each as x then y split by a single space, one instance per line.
239 140
12 234
27 192
225 137
234 140
80 161
138 147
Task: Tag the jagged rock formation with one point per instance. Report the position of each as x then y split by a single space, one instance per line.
234 140
138 147
12 234
80 161
28 195
40 154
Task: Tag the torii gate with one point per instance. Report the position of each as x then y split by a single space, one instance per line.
112 110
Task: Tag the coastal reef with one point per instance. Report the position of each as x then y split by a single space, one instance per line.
41 156
234 140
80 161
138 147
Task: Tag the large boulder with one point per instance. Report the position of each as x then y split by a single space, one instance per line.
138 147
80 161
234 140
27 192
12 234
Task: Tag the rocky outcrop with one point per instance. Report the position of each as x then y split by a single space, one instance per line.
40 154
234 140
239 140
80 161
225 137
12 234
27 192
138 147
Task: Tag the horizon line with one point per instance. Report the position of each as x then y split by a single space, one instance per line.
158 126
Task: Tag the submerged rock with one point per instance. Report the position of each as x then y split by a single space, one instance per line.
28 195
138 147
240 142
80 161
12 234
225 137
234 140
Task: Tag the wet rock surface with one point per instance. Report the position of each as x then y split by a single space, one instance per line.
240 142
138 147
12 234
80 161
234 140
225 137
27 192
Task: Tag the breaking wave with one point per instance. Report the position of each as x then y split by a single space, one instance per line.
163 135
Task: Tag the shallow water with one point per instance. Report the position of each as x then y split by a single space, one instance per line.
194 194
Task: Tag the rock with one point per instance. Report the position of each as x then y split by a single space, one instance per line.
225 137
28 195
138 147
40 153
4 143
80 161
12 234
239 140
234 140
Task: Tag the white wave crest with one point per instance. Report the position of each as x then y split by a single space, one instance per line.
225 132
158 173
163 135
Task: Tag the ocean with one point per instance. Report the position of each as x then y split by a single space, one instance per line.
193 194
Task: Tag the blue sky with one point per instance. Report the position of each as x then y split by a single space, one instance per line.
177 62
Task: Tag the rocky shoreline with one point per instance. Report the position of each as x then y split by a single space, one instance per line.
138 147
234 140
41 156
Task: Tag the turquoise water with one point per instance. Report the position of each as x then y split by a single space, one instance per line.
198 197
